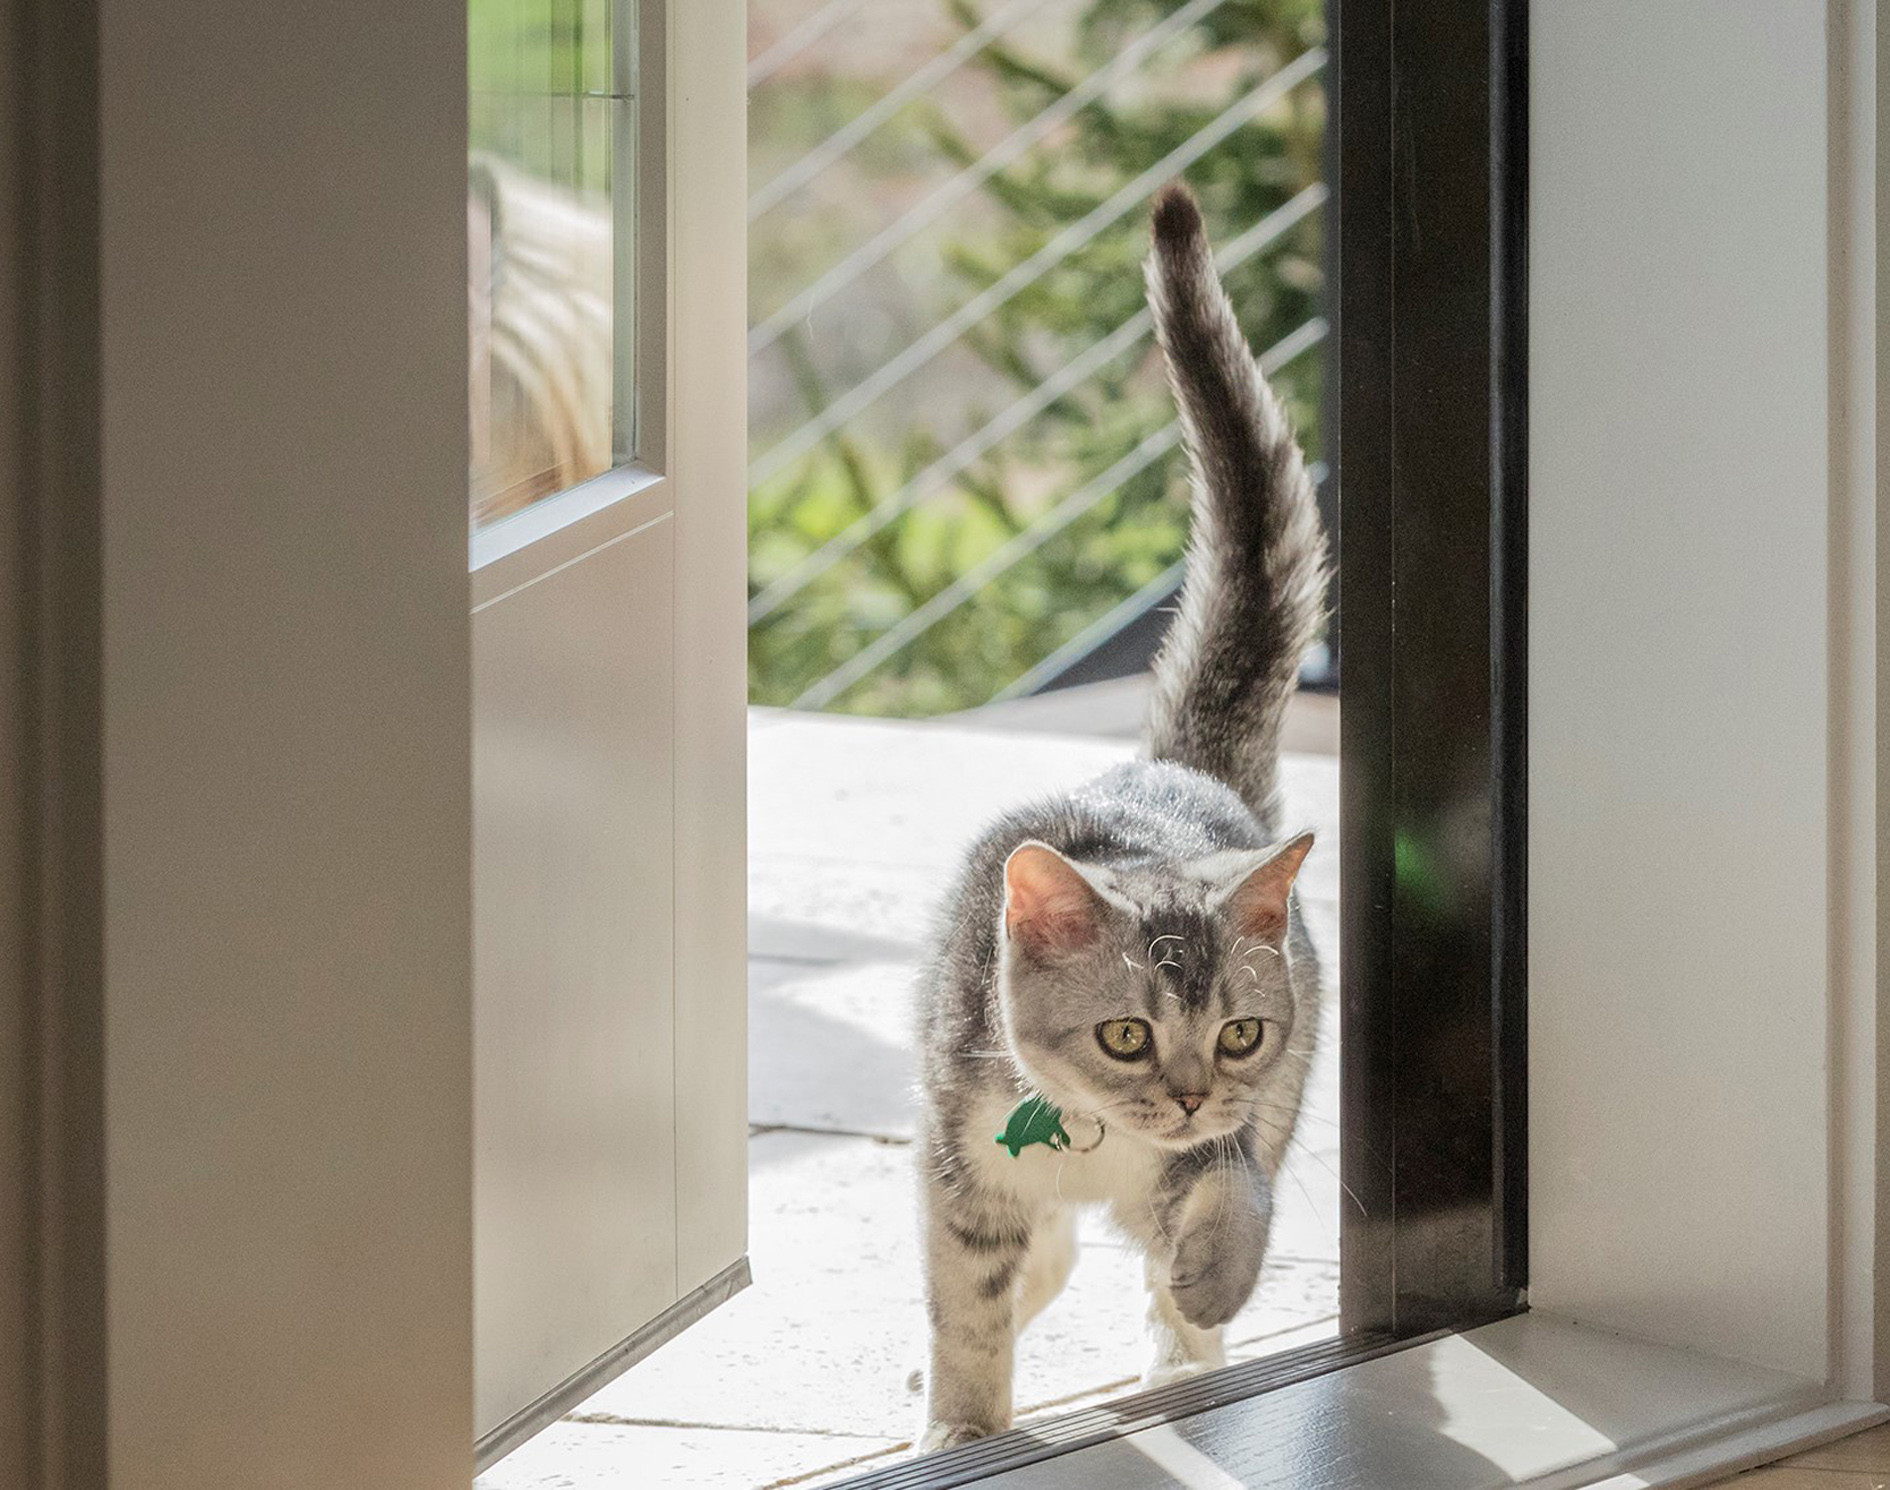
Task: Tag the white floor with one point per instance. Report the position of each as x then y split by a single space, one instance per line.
855 826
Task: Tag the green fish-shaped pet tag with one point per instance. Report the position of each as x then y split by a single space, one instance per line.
1033 1121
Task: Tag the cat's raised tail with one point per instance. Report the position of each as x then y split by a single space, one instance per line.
1255 589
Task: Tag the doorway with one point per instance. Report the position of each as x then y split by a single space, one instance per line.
967 510
966 524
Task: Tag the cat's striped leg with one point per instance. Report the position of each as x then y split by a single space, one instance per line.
974 1252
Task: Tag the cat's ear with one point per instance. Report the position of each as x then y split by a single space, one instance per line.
1256 904
1048 905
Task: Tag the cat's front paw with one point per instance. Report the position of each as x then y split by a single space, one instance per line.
950 1435
1214 1273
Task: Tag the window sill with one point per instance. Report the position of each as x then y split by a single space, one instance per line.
563 527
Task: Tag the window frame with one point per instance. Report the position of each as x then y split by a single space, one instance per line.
639 214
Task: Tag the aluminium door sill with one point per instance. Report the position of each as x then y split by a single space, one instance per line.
1535 1401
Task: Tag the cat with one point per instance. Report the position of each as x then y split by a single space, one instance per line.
1131 952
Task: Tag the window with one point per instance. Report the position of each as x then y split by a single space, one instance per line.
549 181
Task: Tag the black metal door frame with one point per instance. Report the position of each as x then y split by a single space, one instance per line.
1431 116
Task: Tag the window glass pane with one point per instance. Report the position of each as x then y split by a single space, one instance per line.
550 149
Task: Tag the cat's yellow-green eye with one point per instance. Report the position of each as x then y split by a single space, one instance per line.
1125 1039
1240 1036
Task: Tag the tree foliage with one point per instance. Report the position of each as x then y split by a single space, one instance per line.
1138 527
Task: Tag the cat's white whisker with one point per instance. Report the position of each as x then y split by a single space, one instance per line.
1350 1194
1330 1234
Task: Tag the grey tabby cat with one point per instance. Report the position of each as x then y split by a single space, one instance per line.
1131 952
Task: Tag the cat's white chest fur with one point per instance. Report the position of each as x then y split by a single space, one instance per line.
1120 1167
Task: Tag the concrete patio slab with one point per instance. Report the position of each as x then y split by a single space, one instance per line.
856 826
808 1022
590 1454
834 1323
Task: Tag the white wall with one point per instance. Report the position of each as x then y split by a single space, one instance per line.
286 731
1692 670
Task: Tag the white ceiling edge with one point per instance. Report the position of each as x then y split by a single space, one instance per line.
1536 1401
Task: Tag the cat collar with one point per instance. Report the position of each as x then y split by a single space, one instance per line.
1035 1120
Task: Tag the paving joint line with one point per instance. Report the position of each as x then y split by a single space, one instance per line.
827 1469
618 1420
890 1140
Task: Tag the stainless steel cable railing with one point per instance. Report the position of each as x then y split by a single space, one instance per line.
1151 448
1131 195
801 307
938 475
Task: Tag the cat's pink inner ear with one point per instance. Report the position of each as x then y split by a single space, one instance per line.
1258 906
1048 905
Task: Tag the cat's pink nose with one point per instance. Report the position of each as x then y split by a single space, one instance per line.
1190 1101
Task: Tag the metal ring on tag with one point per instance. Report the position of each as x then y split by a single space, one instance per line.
1091 1148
